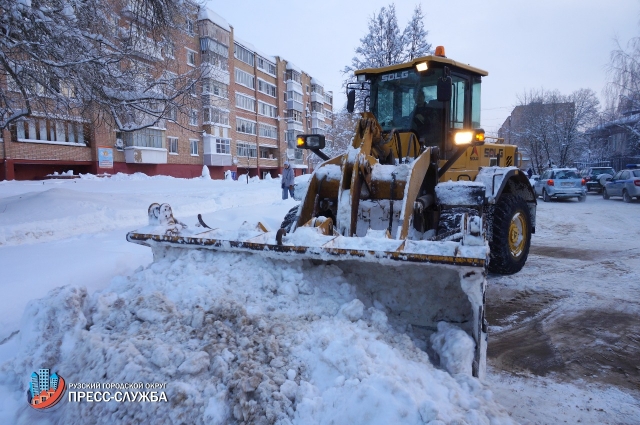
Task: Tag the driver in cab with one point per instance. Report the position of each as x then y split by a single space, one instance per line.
422 117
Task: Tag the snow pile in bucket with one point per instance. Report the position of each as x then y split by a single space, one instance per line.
243 339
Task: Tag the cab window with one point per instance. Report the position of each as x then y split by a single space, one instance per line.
459 90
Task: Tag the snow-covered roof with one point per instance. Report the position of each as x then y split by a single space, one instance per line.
292 66
208 14
251 47
316 82
244 43
270 58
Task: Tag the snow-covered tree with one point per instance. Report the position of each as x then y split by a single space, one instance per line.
98 59
385 45
623 91
415 36
552 127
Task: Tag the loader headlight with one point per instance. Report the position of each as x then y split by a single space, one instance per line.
467 137
310 141
422 66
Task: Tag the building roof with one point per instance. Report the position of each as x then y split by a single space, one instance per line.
206 13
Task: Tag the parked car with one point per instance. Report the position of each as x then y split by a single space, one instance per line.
533 179
561 183
594 175
625 183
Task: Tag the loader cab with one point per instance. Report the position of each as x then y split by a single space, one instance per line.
407 98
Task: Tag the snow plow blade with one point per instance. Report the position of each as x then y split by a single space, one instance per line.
419 283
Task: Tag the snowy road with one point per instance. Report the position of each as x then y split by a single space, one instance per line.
571 315
564 337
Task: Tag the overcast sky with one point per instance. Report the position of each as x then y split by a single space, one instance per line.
552 44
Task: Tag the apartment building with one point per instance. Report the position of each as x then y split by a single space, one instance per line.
246 110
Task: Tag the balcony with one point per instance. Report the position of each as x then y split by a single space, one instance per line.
217 159
294 86
317 97
144 155
268 162
218 72
295 105
316 117
294 125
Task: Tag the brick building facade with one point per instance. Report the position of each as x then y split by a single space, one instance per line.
247 109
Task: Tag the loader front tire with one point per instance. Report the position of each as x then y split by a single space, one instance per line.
511 235
290 218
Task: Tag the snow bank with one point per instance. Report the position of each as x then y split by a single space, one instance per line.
238 340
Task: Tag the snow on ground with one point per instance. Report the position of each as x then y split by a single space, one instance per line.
245 339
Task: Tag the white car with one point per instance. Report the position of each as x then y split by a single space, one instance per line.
560 183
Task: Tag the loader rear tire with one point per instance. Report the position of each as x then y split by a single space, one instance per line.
511 239
290 218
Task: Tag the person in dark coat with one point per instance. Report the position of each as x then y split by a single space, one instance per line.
286 182
529 172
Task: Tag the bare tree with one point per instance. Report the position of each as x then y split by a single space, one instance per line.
56 61
552 127
623 91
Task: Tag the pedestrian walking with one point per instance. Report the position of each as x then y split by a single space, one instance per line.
529 172
286 181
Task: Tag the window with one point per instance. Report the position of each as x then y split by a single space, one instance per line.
172 113
243 54
194 147
216 116
292 75
246 149
269 131
307 89
189 26
245 102
267 110
294 115
193 117
327 113
294 95
223 146
191 57
265 154
267 88
68 89
317 107
51 131
328 98
315 88
245 126
215 88
216 60
169 50
266 66
245 79
148 138
208 45
173 145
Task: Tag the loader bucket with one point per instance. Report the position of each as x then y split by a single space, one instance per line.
419 283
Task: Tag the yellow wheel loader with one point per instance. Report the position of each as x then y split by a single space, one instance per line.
414 213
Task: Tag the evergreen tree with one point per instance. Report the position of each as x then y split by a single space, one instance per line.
415 37
385 45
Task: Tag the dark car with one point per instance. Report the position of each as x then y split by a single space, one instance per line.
596 176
